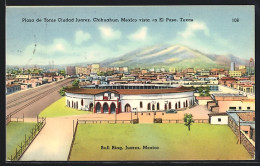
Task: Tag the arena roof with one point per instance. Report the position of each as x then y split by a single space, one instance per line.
128 91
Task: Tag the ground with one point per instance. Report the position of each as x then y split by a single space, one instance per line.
59 108
175 142
15 134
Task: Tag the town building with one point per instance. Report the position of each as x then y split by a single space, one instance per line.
70 70
82 70
223 102
95 68
235 73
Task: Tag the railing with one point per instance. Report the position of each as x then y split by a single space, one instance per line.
28 140
73 138
105 121
181 121
9 119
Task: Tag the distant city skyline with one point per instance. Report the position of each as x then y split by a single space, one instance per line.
212 31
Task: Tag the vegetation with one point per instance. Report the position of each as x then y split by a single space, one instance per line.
188 119
204 142
108 73
62 72
203 91
15 134
75 83
62 91
59 108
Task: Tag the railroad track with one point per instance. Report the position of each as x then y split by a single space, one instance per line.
41 93
29 93
36 96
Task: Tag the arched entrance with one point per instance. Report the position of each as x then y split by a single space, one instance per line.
158 106
127 108
153 107
176 106
112 108
170 105
98 107
105 108
91 107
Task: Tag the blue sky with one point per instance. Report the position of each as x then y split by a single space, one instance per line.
212 31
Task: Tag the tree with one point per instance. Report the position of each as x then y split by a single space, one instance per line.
62 91
188 119
75 83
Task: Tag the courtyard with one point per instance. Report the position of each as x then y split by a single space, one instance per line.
115 142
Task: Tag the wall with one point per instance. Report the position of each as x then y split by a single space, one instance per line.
214 119
245 140
210 103
134 100
203 102
248 144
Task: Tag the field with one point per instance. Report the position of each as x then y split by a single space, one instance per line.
59 109
15 134
175 142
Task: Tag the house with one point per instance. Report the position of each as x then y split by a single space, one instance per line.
228 101
218 118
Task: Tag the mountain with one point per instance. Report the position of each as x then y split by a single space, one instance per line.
172 56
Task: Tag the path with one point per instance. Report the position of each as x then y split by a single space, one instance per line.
52 143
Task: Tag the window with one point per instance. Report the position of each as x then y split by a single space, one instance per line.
82 102
149 106
170 105
248 108
246 132
141 104
232 108
240 108
153 107
158 106
219 119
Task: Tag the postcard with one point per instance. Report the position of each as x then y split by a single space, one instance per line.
130 83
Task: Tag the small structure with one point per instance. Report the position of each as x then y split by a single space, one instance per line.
218 118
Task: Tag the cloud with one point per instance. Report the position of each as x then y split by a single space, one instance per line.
80 37
139 35
194 27
108 33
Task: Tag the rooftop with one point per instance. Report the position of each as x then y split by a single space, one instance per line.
129 91
234 115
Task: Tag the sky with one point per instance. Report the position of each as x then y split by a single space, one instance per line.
212 31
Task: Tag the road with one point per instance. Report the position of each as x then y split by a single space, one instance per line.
32 101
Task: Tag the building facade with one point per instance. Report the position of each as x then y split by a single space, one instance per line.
128 100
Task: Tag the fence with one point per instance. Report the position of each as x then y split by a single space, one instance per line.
8 119
28 140
73 138
182 121
105 121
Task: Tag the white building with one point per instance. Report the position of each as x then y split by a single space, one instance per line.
127 100
218 118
